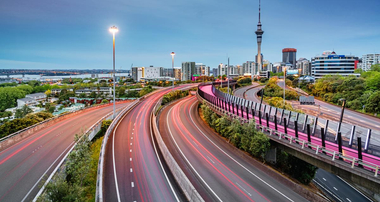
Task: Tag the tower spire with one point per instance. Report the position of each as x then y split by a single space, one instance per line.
259 11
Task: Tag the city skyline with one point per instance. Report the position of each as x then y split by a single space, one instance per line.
67 35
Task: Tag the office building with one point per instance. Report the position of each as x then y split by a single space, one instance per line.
138 73
177 74
368 60
304 66
188 69
289 56
215 72
202 69
250 68
154 72
222 69
330 63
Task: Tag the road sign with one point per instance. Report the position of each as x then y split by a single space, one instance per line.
307 100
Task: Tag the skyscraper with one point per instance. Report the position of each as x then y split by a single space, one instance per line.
259 32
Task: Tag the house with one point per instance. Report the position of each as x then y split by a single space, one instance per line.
31 99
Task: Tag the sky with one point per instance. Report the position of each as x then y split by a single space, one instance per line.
73 34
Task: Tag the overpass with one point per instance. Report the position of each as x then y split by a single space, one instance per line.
303 137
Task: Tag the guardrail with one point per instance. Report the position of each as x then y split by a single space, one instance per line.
187 187
13 138
225 109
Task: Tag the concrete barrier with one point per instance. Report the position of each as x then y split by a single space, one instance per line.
187 187
16 137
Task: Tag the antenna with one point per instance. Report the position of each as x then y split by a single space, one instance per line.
259 11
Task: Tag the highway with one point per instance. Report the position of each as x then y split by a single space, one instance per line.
25 165
219 171
133 170
337 188
329 183
333 112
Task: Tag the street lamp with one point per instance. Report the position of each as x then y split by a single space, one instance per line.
113 30
173 54
228 72
341 115
284 84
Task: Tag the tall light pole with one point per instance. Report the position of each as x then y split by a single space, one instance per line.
284 84
228 72
173 54
113 30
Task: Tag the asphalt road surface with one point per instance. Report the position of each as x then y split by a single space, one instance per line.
25 165
337 188
133 170
218 171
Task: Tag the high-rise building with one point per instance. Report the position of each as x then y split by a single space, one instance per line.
138 73
167 72
289 56
215 72
222 69
369 60
202 69
187 70
259 32
330 63
304 66
250 68
177 74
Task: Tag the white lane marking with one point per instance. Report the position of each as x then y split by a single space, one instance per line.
328 191
210 159
130 159
131 170
241 187
192 167
355 189
324 179
162 167
195 144
131 138
348 200
46 172
191 117
335 188
131 143
132 184
113 159
130 150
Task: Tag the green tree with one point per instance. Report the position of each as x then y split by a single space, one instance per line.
20 113
373 103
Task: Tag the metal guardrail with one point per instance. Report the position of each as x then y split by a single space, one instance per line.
354 162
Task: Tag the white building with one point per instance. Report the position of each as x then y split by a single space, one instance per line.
369 60
222 69
330 63
138 73
304 66
202 69
153 72
31 99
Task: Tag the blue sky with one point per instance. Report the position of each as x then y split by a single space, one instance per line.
66 34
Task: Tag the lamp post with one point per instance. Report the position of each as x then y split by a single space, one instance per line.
228 72
173 54
113 30
284 84
341 114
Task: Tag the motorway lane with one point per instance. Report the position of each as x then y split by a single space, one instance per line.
338 189
218 170
333 112
132 169
23 165
249 92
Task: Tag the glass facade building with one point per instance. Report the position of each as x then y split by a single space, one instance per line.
330 63
289 56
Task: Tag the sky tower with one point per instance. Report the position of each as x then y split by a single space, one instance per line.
259 32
